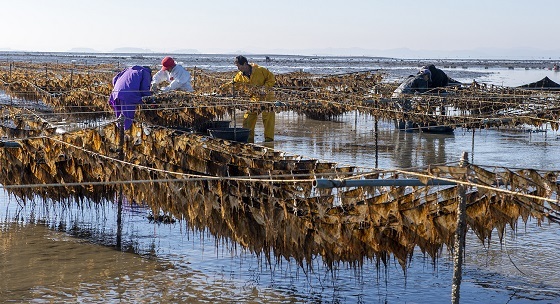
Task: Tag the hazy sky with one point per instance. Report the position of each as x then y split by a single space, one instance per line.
211 26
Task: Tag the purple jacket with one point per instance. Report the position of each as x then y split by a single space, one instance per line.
130 86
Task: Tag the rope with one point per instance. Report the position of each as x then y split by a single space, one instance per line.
268 178
472 184
190 176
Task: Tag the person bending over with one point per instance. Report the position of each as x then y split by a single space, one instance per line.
177 76
129 88
259 81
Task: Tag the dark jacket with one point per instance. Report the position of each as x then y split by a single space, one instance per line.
413 84
439 78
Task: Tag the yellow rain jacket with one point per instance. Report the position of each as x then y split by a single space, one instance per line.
259 87
259 84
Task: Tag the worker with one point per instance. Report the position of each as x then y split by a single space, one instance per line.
438 78
414 84
177 76
130 87
259 82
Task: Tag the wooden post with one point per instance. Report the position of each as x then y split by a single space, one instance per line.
47 76
194 79
233 103
472 145
120 199
376 129
120 125
460 235
9 82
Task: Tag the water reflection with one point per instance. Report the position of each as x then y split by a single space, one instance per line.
256 227
397 149
52 253
44 261
353 140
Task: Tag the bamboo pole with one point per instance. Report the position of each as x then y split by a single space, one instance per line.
339 183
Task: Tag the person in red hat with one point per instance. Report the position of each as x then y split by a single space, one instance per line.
177 76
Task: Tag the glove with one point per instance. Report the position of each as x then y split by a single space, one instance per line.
263 91
148 99
153 87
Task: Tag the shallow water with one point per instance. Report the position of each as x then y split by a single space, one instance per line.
66 251
67 254
351 140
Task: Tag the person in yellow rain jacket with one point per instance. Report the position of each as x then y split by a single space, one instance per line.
260 81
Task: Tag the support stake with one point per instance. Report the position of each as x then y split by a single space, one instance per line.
460 236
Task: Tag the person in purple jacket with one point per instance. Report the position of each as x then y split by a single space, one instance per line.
129 87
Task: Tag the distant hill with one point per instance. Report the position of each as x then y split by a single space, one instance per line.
520 53
478 53
131 50
526 53
186 51
83 50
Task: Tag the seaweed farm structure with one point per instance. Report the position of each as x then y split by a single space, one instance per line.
264 199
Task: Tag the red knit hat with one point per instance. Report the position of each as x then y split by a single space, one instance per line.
168 63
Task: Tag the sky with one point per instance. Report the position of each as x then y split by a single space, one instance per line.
287 26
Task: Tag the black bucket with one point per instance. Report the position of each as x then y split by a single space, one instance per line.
235 134
213 124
